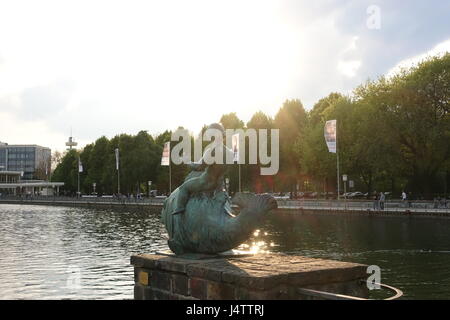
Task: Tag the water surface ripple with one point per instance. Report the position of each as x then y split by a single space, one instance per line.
75 253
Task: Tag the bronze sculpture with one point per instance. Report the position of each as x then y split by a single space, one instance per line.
198 215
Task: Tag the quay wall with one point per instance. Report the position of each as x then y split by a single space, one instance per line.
284 207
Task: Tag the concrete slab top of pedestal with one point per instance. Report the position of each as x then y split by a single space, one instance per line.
260 271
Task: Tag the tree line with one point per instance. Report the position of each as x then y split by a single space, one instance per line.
393 136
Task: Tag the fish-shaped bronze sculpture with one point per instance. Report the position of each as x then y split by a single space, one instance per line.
198 214
209 225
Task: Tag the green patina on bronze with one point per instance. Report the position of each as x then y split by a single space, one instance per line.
208 225
199 218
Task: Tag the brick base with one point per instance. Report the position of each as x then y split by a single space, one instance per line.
259 277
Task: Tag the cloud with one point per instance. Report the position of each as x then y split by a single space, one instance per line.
438 51
43 102
349 68
20 131
407 28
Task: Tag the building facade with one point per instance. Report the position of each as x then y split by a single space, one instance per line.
34 161
11 184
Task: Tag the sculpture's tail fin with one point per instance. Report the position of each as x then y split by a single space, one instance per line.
253 209
255 203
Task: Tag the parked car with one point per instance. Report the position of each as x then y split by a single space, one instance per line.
347 194
357 194
311 195
282 196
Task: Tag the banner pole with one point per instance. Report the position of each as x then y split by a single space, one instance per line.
118 171
240 190
78 193
331 139
170 178
338 177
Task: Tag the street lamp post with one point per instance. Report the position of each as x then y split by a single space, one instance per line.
118 171
344 179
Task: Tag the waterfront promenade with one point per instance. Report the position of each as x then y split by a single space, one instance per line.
394 207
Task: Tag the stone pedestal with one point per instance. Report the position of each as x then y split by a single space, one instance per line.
259 277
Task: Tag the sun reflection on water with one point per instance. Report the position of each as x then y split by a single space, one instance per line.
257 243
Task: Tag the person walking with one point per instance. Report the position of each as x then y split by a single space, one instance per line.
382 199
375 201
436 203
404 198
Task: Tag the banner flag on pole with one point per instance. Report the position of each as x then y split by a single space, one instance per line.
165 160
330 135
80 166
235 147
117 158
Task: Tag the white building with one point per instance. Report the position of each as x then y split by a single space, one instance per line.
12 184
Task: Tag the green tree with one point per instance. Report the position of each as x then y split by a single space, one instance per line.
258 183
291 120
67 172
413 108
98 162
231 121
85 176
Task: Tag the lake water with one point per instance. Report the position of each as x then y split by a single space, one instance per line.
73 253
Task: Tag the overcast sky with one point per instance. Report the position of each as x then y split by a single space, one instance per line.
110 67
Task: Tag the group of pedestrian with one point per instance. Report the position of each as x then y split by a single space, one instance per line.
128 196
440 203
378 201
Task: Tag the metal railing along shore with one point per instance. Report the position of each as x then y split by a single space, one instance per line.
349 205
312 204
124 200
